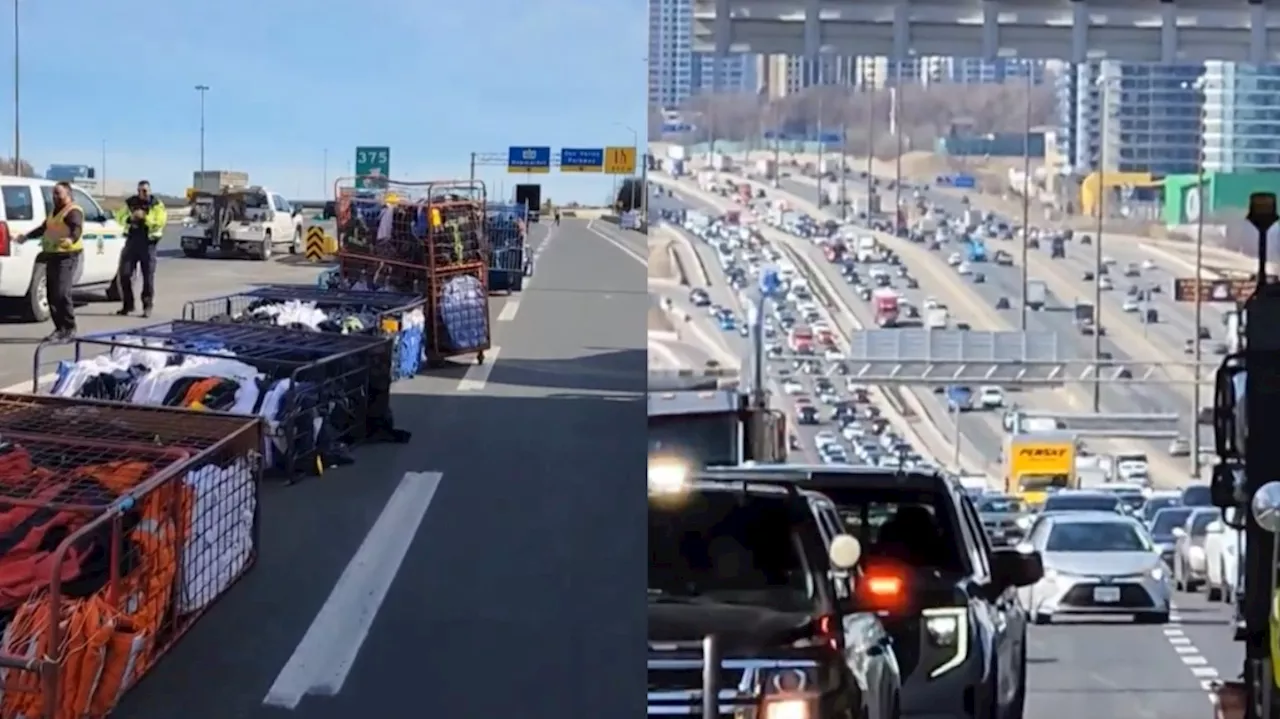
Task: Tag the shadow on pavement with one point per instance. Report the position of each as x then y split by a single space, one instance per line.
532 553
613 370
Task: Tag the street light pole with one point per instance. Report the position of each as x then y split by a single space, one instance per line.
1026 197
897 129
1195 389
202 89
17 94
1097 243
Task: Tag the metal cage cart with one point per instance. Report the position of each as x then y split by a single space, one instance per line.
400 317
509 258
318 392
135 521
425 238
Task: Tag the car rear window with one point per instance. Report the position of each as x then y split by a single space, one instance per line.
19 203
699 440
916 526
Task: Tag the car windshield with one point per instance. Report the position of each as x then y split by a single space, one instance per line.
727 547
1081 503
1166 519
1096 537
1001 505
700 440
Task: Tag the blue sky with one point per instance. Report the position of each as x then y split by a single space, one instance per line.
434 80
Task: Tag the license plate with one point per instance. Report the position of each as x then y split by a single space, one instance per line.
1106 595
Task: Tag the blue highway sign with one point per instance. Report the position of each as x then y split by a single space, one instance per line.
774 135
830 138
672 128
529 159
578 159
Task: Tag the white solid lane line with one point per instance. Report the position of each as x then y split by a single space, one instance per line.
478 375
322 660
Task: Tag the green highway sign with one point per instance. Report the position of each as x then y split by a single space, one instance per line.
372 162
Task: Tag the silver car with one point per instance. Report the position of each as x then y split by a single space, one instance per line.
1097 563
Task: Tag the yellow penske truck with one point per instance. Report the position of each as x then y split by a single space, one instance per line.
1038 463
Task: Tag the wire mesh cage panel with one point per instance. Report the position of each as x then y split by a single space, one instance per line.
433 224
318 392
345 311
458 317
133 522
509 261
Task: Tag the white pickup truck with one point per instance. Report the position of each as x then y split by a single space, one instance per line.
244 220
25 204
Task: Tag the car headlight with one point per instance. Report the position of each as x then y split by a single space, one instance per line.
1023 523
948 628
786 709
1157 573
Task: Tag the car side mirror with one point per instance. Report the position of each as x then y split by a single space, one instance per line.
1179 532
1019 566
1213 528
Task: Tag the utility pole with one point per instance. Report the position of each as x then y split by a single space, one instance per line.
1026 197
17 96
897 127
1199 311
1097 242
202 89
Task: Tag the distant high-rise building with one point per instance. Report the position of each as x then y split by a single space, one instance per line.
676 72
1241 117
1153 121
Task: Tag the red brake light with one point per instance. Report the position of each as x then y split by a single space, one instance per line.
4 238
882 589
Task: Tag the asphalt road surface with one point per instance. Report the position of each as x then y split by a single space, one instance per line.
961 294
522 580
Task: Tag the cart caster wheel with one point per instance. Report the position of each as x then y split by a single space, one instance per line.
480 358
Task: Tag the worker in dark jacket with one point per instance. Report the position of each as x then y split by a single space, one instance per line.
143 217
60 254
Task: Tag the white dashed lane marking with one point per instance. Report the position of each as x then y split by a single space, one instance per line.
1190 655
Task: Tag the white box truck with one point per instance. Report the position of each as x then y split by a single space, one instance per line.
1037 291
765 168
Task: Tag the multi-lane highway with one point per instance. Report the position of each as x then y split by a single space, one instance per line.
975 303
517 557
1081 667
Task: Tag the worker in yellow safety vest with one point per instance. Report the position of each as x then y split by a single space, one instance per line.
143 218
60 256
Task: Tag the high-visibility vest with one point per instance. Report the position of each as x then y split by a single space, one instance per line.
57 236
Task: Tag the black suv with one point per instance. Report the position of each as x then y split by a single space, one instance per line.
740 578
945 595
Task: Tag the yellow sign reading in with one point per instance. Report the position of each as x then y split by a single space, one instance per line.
619 160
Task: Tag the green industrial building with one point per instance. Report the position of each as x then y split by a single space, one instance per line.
1224 192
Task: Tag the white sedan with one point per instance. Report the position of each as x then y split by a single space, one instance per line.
964 269
991 397
1130 305
792 387
954 259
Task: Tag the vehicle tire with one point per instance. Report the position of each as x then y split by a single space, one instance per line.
296 246
196 252
35 306
1152 618
1214 592
268 247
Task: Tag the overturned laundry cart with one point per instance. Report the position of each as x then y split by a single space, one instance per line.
400 317
318 392
122 526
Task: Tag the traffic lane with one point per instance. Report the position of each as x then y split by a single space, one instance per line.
521 560
982 438
309 531
1177 320
636 243
1208 631
1108 667
1006 281
1116 397
178 280
743 347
